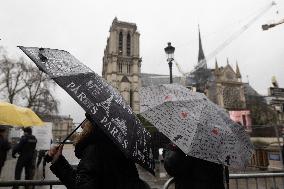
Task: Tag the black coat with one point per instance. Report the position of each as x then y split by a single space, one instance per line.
102 166
4 147
193 173
26 147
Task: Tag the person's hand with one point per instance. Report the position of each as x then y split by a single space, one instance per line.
55 152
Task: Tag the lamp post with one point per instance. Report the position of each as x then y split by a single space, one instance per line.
170 54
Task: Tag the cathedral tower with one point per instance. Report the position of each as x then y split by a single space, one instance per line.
121 61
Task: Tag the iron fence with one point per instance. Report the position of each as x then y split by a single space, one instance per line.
237 181
49 183
249 181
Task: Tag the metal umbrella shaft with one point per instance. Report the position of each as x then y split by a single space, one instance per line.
48 158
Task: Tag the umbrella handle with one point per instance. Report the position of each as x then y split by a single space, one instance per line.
48 158
62 143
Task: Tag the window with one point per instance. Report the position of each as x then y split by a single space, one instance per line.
120 67
120 43
128 42
128 68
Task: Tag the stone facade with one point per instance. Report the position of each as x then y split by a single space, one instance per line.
121 61
222 85
61 126
229 89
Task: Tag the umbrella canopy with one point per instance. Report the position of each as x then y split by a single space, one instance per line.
196 125
13 115
99 99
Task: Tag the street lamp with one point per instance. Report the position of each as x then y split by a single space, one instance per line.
170 53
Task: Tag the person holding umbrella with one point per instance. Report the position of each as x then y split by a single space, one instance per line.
204 135
102 165
116 139
191 172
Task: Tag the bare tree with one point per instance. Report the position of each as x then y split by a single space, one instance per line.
38 92
22 83
11 78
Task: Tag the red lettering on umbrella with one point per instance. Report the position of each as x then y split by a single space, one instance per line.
168 97
215 131
184 115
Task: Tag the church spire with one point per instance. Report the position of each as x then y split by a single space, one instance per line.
217 71
238 73
216 64
201 58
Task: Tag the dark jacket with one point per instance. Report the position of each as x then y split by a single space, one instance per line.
26 147
193 173
4 148
102 166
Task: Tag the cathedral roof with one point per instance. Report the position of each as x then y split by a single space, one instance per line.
148 79
199 76
249 91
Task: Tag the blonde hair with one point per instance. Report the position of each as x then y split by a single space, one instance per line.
87 130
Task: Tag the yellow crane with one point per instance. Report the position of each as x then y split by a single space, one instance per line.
229 40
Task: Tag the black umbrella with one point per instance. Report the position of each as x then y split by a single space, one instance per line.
99 99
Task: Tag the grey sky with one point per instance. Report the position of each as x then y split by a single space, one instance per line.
81 27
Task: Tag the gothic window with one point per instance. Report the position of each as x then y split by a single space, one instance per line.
120 67
128 42
128 68
120 43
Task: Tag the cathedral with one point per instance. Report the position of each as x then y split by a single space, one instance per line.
122 62
122 68
223 85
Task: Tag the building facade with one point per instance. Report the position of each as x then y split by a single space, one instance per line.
61 126
275 99
122 62
222 85
229 89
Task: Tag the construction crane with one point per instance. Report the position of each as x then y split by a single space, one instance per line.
267 26
229 40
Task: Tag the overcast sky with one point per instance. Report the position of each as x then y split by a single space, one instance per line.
82 28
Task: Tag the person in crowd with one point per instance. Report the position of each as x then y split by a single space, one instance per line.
4 147
191 172
40 157
26 150
102 165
